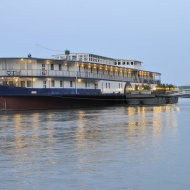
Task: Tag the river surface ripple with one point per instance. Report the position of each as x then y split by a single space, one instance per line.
106 148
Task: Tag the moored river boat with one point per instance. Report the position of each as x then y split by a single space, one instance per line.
69 81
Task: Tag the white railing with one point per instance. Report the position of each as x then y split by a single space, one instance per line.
65 73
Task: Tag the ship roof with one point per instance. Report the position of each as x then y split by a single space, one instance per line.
60 60
96 55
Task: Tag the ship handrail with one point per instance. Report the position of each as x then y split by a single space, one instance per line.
66 73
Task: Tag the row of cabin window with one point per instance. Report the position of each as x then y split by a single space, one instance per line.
52 67
120 85
29 83
125 63
108 71
109 86
91 70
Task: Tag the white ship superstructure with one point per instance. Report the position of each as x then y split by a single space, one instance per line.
76 73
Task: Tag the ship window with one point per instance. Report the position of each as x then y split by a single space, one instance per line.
71 83
86 84
131 63
61 83
11 83
119 85
60 67
52 66
29 65
52 83
106 85
44 84
96 86
22 83
123 63
119 63
43 66
22 66
127 63
109 85
29 83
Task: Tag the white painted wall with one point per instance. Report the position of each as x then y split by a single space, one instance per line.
111 86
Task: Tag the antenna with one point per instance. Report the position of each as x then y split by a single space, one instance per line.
49 48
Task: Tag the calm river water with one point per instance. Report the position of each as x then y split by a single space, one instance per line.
109 148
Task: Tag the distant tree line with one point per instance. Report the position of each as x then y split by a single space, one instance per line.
142 87
159 87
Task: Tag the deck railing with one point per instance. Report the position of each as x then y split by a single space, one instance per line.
65 73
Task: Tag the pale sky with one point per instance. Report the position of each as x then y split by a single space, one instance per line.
156 32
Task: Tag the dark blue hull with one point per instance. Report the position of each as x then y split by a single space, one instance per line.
20 91
17 98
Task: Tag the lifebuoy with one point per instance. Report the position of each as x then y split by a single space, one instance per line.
44 72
